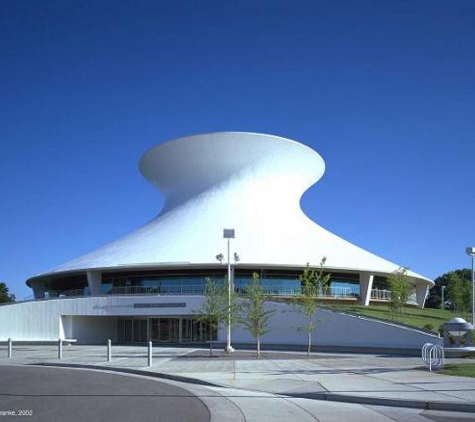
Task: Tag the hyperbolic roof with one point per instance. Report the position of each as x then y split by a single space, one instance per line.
246 181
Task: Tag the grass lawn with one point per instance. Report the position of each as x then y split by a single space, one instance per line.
430 319
459 369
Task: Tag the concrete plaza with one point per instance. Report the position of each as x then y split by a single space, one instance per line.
280 385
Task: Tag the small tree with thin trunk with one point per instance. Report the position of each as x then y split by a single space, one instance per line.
214 309
313 283
398 283
254 316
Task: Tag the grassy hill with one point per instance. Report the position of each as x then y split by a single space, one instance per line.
429 319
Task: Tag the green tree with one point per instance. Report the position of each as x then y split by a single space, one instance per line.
435 294
399 285
459 291
313 282
213 309
254 316
5 295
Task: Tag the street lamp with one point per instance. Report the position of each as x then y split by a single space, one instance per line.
442 288
229 234
471 251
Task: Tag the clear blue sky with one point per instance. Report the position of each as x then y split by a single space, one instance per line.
383 90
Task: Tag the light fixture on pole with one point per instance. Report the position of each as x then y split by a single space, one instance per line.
471 251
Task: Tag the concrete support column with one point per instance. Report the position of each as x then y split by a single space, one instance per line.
94 281
38 290
366 284
421 293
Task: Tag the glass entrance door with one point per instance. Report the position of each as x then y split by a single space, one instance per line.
132 330
140 330
193 330
186 329
165 330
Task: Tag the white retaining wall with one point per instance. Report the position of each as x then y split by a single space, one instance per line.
94 320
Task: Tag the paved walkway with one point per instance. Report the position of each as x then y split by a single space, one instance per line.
373 381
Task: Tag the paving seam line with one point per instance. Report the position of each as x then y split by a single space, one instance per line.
442 392
328 396
300 378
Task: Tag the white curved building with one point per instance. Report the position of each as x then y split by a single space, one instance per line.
249 182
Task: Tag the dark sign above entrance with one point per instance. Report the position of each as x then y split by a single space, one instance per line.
160 305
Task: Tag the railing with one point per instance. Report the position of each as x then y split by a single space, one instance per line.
191 289
380 294
199 289
337 292
278 292
377 294
52 294
331 292
166 290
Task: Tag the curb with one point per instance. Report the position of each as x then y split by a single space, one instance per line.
130 371
328 396
382 401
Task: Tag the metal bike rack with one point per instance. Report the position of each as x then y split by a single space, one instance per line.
433 355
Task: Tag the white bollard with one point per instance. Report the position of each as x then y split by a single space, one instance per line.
109 351
10 346
149 353
60 349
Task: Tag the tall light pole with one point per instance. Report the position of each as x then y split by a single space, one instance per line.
471 251
442 288
229 234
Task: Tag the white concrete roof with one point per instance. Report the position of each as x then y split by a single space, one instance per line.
246 181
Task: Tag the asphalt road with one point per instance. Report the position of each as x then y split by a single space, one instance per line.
55 394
